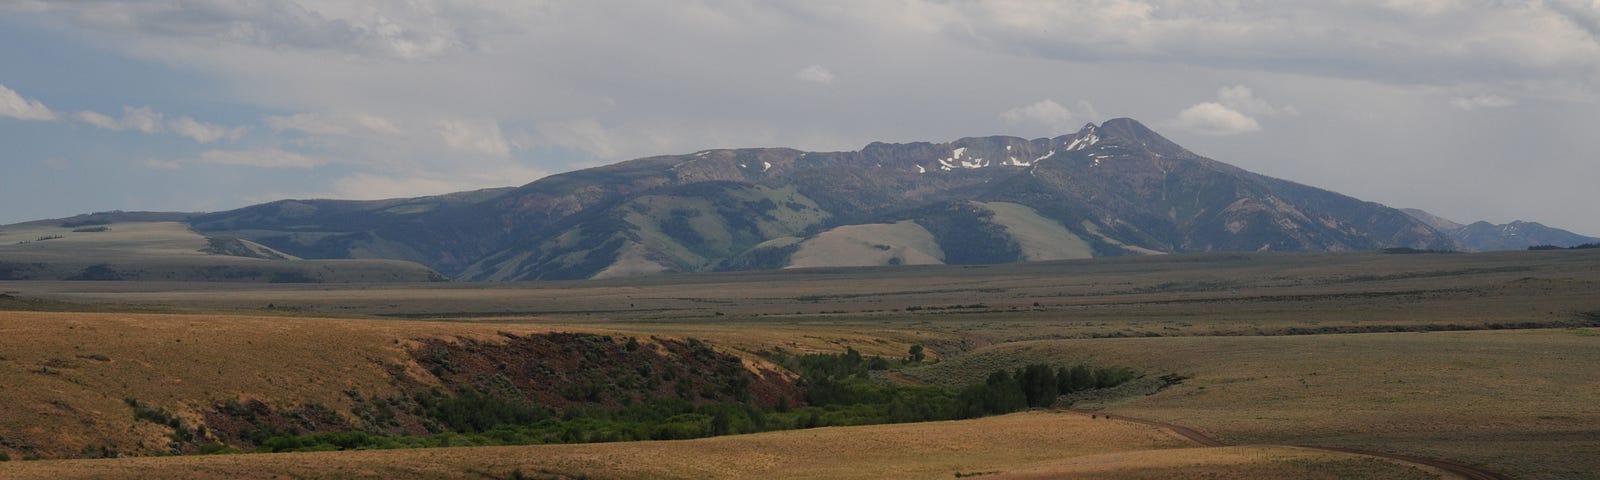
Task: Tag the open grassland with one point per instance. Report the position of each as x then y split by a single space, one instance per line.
1219 463
68 376
1025 445
1448 361
1521 402
957 308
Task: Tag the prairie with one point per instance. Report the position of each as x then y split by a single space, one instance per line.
1033 445
1478 358
1519 402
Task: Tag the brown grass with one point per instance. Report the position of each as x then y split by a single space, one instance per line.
1515 401
1028 443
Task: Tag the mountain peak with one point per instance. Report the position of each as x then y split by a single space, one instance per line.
1136 134
989 199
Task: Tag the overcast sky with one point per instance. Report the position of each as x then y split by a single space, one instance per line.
1480 110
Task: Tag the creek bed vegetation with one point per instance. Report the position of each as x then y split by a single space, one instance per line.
839 390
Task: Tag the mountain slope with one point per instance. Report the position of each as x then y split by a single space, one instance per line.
159 246
1518 235
1112 189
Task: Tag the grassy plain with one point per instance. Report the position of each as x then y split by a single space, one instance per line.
1482 358
1032 445
1517 401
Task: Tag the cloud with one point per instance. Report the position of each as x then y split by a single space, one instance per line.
372 186
14 105
1409 42
480 136
99 120
815 74
148 121
203 132
1241 99
1051 116
1212 118
263 158
412 31
394 141
586 134
1232 113
141 119
333 123
1481 101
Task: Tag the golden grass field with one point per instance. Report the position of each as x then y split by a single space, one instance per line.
1024 445
1253 331
1517 401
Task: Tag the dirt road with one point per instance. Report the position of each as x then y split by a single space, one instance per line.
1460 470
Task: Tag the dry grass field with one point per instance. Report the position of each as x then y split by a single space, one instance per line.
1481 358
1211 294
68 375
1025 445
1520 402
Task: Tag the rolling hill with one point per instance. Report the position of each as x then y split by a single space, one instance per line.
146 246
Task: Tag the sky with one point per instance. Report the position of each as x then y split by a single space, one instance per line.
1472 110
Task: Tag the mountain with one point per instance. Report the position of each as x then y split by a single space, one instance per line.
1112 189
162 246
1517 235
1438 223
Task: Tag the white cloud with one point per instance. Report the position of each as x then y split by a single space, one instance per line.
142 119
148 121
203 132
1481 101
1211 118
417 30
264 158
815 74
14 105
1241 99
99 120
1052 116
1232 113
585 134
333 123
481 136
372 186
1403 42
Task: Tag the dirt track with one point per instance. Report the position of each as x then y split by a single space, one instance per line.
1457 469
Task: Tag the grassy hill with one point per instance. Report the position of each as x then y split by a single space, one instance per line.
112 248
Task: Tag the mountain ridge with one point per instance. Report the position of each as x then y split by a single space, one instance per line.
1484 236
1117 188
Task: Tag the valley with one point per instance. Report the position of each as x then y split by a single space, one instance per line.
1473 358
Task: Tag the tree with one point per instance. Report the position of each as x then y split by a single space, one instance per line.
1081 378
916 354
1038 384
721 422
